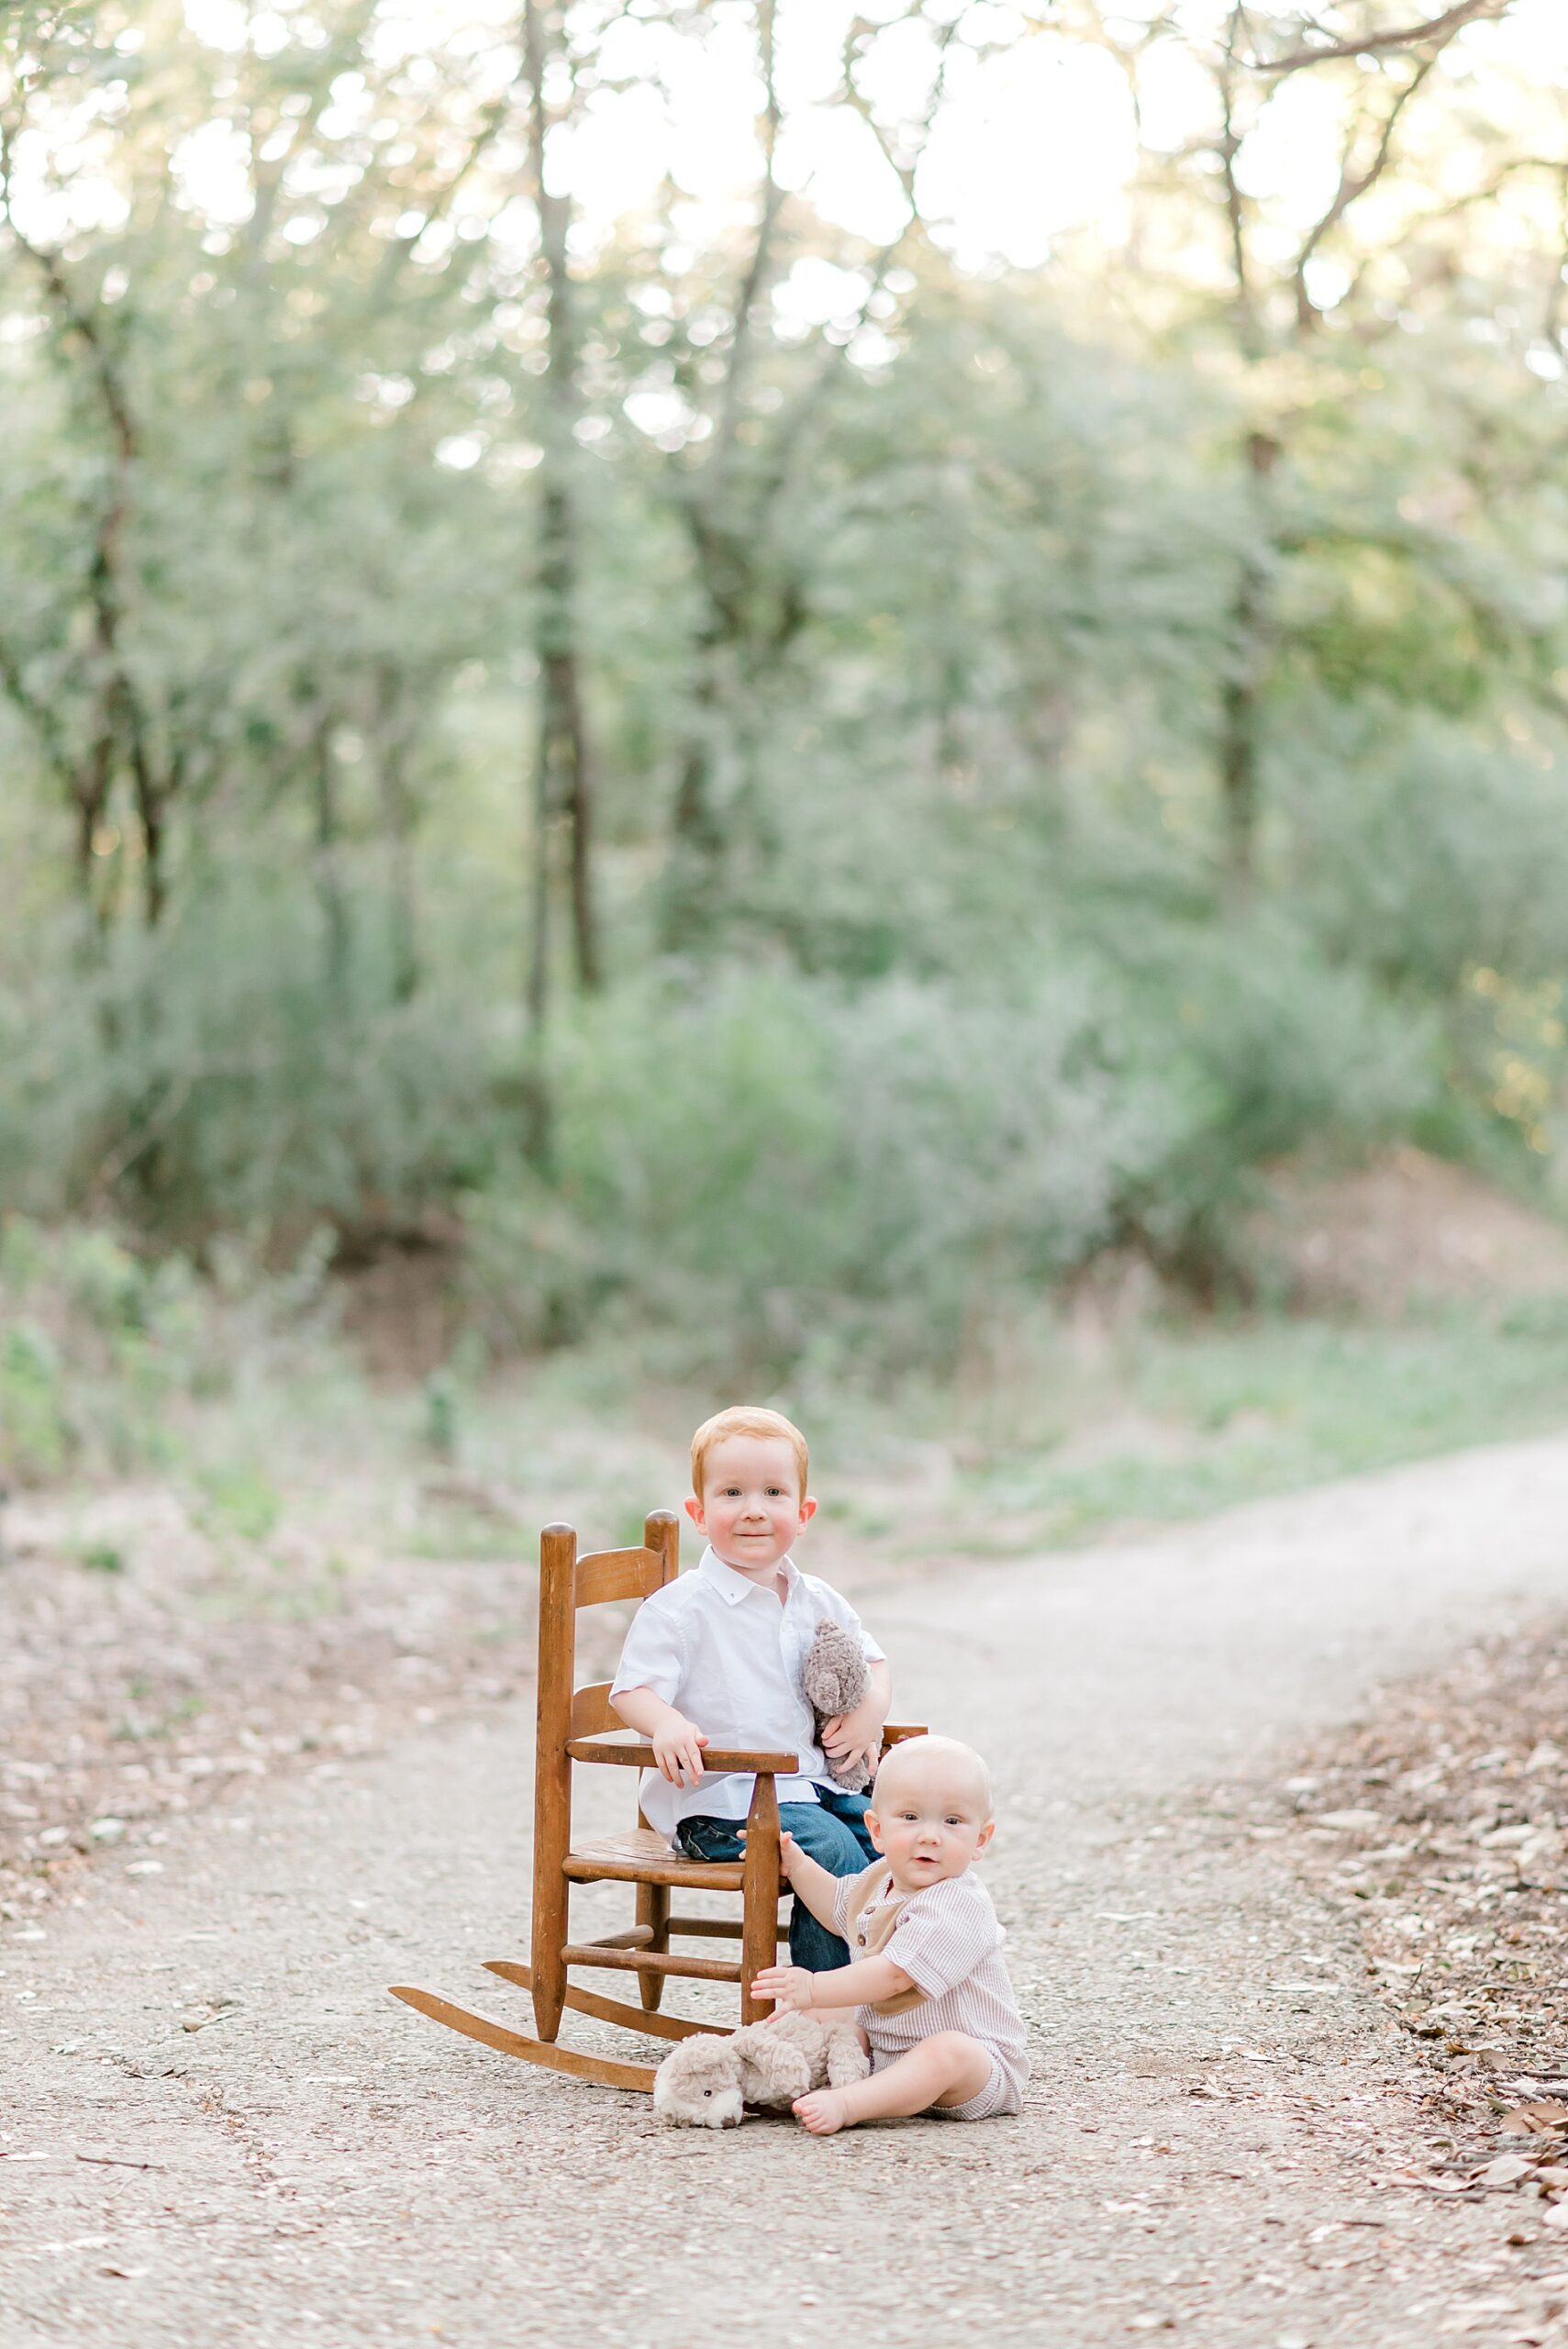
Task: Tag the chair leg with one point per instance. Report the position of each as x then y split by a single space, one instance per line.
552 1775
550 1934
653 1910
758 1897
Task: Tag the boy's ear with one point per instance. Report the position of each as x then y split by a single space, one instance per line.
985 1836
693 1509
872 1828
808 1510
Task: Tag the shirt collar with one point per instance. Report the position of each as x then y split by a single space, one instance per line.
734 1586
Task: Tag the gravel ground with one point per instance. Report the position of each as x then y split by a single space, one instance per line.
216 2125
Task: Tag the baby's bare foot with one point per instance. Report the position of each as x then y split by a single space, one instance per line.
823 2112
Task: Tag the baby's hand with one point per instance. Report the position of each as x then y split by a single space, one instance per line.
789 1988
677 1749
790 1853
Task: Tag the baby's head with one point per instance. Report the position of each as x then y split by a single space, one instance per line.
749 1496
930 1810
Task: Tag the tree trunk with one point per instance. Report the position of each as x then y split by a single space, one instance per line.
91 792
1239 746
563 783
544 843
392 729
403 906
697 833
152 795
328 875
1240 730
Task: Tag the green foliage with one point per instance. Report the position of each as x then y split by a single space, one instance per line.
103 1346
441 1420
1059 740
1271 1049
94 1341
791 1169
1234 1410
35 1434
239 1498
206 1078
102 1558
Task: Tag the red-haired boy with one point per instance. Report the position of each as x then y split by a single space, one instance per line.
716 1657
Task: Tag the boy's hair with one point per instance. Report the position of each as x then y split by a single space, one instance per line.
746 1418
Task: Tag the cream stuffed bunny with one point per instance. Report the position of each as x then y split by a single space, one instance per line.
706 2082
833 1680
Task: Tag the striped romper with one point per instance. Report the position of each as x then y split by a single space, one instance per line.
947 1939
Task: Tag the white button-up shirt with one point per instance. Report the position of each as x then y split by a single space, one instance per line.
729 1656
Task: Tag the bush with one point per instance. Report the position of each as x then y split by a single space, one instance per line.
204 1079
100 1345
751 1171
1268 1051
777 1159
781 1167
94 1343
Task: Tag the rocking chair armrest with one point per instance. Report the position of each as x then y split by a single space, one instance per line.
625 1745
894 1732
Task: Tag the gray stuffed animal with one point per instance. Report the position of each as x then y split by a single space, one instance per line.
706 2082
833 1680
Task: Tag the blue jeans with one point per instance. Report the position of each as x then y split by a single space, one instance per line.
831 1832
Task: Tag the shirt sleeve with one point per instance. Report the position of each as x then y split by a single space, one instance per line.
844 1614
841 1906
942 1934
654 1656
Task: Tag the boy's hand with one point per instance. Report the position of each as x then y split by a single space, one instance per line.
677 1749
848 1736
789 1988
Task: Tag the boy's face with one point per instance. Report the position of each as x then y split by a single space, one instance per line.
929 1824
750 1507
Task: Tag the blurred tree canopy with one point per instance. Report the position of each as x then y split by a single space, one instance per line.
757 757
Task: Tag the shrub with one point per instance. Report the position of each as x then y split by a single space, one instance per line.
779 1165
101 1344
1268 1049
205 1080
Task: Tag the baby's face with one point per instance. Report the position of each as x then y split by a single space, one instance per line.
750 1507
929 1822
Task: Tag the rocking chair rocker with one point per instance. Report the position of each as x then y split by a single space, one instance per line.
579 1725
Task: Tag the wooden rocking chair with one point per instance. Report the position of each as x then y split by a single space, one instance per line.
578 1725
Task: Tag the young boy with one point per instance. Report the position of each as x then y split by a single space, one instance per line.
936 2012
716 1657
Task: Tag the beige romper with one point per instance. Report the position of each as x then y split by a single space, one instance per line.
948 1940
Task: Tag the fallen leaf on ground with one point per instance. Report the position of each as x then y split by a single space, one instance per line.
1535 2118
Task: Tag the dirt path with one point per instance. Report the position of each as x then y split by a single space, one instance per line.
282 2154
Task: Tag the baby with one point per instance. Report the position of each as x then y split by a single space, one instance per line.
936 2008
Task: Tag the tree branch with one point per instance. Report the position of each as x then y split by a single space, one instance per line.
1228 147
751 284
1353 186
791 427
121 714
42 716
1436 29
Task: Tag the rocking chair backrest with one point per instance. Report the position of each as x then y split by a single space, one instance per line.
567 1582
606 1575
